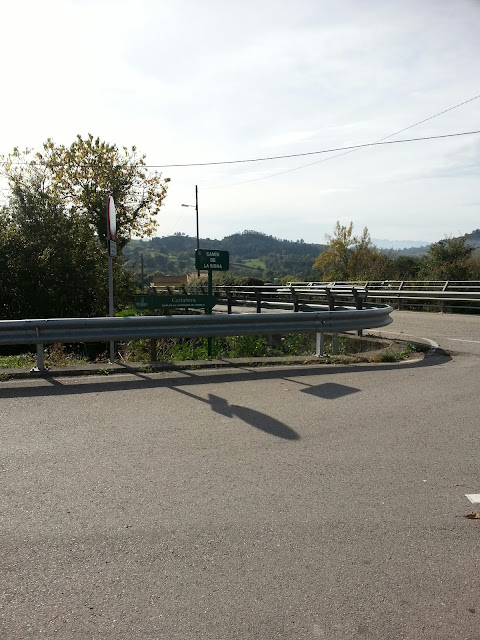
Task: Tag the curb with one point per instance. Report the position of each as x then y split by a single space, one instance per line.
134 368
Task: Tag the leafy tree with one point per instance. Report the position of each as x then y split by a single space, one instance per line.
81 177
52 264
348 257
449 259
53 230
404 268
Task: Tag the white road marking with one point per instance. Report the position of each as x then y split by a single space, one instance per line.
473 497
460 340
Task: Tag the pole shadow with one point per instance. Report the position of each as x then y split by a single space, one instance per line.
252 417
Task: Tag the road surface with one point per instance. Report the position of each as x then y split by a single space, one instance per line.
286 502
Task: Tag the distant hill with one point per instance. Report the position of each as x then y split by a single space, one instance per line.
251 253
398 244
418 249
474 238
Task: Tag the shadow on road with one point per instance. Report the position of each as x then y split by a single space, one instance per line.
57 385
254 418
329 390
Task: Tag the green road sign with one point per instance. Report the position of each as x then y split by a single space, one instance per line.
212 260
178 301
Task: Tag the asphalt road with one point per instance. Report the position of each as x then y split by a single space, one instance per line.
287 502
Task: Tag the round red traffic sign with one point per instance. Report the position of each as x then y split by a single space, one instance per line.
111 218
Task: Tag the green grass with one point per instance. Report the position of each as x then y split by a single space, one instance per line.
396 355
21 361
54 355
255 263
248 346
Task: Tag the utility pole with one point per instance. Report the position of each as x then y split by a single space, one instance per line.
196 211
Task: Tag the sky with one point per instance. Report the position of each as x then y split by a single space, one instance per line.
197 81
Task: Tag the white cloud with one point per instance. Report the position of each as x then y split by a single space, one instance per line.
189 82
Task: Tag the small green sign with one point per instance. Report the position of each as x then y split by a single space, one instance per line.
177 301
212 260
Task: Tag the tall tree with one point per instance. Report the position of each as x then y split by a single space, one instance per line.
448 259
53 230
348 257
51 263
81 177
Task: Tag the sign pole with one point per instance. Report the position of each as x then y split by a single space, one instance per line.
209 310
211 260
110 304
112 251
198 232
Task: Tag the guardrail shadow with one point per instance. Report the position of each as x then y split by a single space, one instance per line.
56 385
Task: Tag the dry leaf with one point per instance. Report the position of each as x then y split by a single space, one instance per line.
473 516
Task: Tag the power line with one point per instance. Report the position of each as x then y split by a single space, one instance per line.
348 149
346 152
312 153
296 155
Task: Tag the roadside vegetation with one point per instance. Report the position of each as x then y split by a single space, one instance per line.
55 355
350 349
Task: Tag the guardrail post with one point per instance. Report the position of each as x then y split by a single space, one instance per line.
259 301
153 350
358 304
40 362
295 302
319 341
331 301
335 344
229 300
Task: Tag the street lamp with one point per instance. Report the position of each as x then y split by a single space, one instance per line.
196 212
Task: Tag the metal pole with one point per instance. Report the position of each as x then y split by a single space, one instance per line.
335 343
40 362
110 303
319 345
196 212
209 310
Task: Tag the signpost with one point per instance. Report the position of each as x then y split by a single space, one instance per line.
211 260
112 251
177 301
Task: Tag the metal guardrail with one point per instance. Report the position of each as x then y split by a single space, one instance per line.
399 285
70 330
324 297
411 292
309 295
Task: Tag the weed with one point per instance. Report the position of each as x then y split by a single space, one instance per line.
388 356
149 368
57 354
21 361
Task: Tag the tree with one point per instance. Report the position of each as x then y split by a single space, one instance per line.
347 257
53 230
52 265
448 259
404 268
81 177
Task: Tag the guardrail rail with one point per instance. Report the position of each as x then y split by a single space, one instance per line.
71 330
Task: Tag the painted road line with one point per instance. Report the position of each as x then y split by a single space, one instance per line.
460 340
473 497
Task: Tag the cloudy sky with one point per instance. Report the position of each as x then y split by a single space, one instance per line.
193 81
